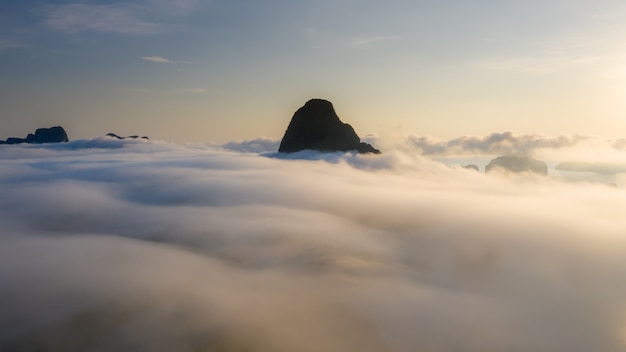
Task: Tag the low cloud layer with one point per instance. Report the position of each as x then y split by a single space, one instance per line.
137 245
257 145
499 143
504 143
600 168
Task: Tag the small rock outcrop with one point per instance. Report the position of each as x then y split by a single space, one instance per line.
128 137
472 167
42 135
316 126
514 163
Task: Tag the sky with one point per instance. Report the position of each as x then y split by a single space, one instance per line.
135 245
218 71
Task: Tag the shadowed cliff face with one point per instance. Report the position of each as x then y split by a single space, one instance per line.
316 126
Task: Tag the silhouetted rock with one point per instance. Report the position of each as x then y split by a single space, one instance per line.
316 126
472 167
131 137
42 135
515 163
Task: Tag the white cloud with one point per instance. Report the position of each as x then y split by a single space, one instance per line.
136 18
120 18
150 246
157 59
325 38
258 145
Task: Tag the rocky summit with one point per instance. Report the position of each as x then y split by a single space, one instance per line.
42 135
316 126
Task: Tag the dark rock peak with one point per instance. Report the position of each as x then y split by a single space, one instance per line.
128 137
42 135
515 163
316 126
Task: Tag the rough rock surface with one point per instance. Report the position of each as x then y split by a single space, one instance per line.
316 126
42 135
128 137
514 163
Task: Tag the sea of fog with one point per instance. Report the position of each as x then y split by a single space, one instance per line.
132 245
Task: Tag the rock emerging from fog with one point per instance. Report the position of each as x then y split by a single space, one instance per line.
513 163
316 126
472 167
42 135
128 137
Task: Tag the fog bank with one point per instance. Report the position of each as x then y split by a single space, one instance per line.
133 245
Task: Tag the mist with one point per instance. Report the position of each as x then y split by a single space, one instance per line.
110 245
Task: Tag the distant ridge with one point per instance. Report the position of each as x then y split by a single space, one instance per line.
128 137
54 134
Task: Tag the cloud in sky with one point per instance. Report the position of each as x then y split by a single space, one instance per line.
157 59
151 246
120 18
138 18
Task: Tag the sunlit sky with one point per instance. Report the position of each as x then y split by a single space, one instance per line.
214 71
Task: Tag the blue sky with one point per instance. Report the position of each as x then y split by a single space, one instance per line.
222 70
